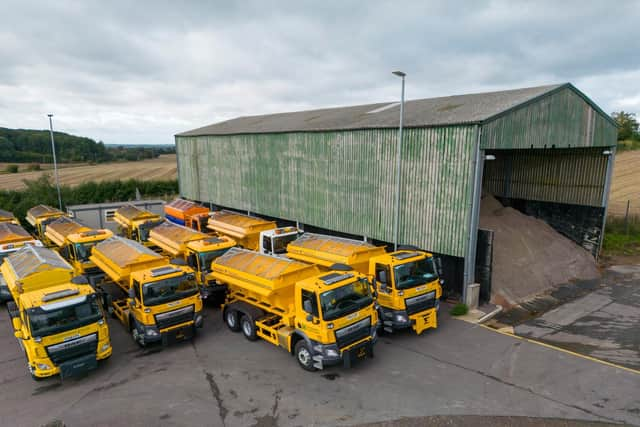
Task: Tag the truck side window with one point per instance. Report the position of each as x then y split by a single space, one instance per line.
382 274
136 289
311 297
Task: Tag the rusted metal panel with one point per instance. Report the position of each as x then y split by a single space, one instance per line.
572 176
342 181
562 119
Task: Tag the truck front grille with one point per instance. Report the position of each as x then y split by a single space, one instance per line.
175 317
72 349
352 333
421 303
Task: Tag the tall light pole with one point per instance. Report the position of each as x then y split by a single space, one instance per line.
398 164
55 164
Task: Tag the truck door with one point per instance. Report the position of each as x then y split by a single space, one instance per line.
309 321
384 285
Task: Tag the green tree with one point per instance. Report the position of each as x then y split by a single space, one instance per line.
628 126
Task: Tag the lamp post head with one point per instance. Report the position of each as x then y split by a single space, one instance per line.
399 73
50 115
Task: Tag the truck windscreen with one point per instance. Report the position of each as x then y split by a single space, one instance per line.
167 290
83 250
415 273
62 316
346 299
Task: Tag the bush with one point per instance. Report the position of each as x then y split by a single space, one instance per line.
11 169
459 309
34 167
43 191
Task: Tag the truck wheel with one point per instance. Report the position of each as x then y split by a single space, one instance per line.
303 355
231 319
135 334
248 328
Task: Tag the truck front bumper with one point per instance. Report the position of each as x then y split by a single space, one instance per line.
419 322
331 355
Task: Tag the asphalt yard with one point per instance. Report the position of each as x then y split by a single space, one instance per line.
221 379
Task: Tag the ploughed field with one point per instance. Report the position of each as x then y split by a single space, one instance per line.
161 168
626 184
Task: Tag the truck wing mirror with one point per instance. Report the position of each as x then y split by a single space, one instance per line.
17 324
18 335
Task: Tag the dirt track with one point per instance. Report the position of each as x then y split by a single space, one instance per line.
626 184
164 167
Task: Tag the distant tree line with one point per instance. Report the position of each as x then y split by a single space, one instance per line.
628 130
42 191
34 146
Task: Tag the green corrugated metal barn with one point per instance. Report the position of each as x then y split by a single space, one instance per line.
551 151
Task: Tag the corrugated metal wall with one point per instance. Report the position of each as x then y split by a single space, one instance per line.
562 120
342 181
573 176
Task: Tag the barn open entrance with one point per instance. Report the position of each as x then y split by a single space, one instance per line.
541 220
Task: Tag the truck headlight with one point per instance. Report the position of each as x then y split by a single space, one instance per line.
43 366
105 347
151 332
400 318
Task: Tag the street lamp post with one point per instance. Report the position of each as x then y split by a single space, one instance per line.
55 164
398 164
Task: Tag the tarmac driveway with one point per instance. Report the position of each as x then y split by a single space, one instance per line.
603 324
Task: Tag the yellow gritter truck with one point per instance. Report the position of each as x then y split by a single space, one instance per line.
57 319
135 223
39 217
321 318
74 242
253 233
197 249
406 282
6 216
162 302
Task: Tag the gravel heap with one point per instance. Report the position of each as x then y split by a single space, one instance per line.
529 257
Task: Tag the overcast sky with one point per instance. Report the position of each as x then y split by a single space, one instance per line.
138 72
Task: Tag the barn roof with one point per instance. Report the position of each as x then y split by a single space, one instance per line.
448 110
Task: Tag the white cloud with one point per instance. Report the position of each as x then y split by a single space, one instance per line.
134 72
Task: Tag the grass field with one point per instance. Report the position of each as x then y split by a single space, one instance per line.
161 168
626 184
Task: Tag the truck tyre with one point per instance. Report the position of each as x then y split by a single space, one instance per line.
231 319
248 328
304 356
135 334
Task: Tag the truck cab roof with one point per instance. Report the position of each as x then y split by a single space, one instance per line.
211 243
90 236
332 279
160 273
53 295
401 257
